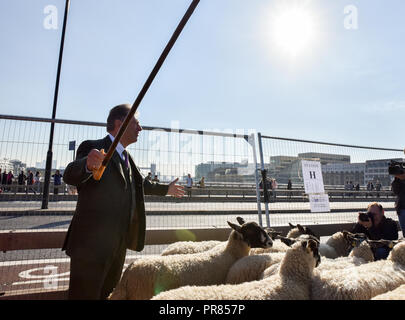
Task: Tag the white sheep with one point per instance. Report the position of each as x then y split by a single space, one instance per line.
150 275
251 267
336 246
361 253
397 294
361 282
291 283
186 247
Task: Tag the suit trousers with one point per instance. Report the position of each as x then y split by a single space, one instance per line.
95 280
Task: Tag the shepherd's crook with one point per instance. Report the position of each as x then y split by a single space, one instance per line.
97 174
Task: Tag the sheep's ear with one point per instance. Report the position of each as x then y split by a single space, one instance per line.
288 241
235 227
240 220
312 244
291 226
301 228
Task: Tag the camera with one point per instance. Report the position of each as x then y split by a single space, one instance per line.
396 167
364 217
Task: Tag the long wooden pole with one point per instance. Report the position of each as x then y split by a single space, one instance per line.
98 173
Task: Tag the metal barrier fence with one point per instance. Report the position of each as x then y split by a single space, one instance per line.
343 168
166 153
30 238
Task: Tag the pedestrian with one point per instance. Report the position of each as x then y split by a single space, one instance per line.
21 181
289 188
57 181
37 182
4 180
110 213
189 185
398 188
156 179
274 187
378 188
10 178
149 176
202 183
30 182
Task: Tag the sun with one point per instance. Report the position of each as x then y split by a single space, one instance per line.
293 30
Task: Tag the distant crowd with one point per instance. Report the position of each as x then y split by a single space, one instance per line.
29 182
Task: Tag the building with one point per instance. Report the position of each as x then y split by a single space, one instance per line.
339 173
325 158
378 170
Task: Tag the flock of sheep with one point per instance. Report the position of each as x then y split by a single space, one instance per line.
259 264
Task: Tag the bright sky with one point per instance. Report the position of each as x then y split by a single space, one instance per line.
285 68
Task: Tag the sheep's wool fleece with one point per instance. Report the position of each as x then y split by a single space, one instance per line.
186 247
291 283
149 276
336 246
278 246
397 294
250 268
361 282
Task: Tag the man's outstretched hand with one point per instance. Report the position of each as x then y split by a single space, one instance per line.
175 190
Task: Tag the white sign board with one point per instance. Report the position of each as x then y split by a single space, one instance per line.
319 202
312 174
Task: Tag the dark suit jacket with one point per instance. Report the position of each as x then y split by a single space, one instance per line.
105 214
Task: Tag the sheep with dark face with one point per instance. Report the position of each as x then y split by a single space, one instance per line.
279 246
148 276
184 247
292 282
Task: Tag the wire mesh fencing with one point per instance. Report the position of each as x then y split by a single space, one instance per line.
352 178
221 166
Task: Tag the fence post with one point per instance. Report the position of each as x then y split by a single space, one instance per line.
251 141
264 179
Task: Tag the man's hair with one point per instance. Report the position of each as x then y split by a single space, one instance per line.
372 204
117 113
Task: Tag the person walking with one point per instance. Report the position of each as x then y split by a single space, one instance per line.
110 212
37 182
398 188
57 181
189 185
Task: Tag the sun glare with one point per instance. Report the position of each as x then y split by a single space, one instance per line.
293 30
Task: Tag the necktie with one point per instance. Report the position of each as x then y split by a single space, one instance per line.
125 158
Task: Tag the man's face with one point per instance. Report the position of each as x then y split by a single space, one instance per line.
132 132
376 213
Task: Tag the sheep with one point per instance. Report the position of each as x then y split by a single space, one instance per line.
364 281
291 283
295 232
336 246
397 294
361 253
148 276
185 247
250 268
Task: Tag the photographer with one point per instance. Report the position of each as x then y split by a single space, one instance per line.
398 188
376 227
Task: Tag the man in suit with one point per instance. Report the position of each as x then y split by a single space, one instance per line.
110 213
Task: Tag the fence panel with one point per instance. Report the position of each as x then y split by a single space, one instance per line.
343 168
224 160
